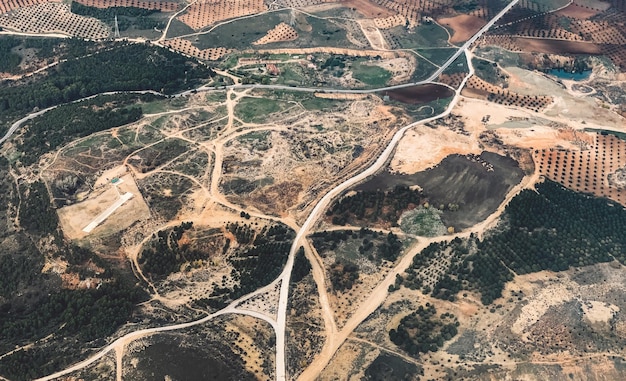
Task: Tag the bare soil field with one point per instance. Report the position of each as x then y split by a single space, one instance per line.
208 12
419 94
476 183
557 46
589 169
163 6
53 18
367 8
463 26
578 11
481 89
423 147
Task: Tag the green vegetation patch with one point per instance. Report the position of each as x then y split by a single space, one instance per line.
355 252
128 67
422 331
371 75
423 221
127 17
65 123
489 72
257 110
9 60
257 260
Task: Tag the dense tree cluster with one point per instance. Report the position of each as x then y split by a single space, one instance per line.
372 206
255 265
125 67
301 266
87 314
422 332
9 60
36 213
164 255
551 229
127 16
373 245
343 275
68 122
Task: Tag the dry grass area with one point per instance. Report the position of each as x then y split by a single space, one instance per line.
481 89
590 169
464 26
208 12
280 33
75 217
186 47
53 18
9 5
163 6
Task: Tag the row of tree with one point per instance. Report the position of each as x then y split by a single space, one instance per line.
551 229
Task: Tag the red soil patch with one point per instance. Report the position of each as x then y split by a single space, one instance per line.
556 46
464 26
577 11
419 94
368 9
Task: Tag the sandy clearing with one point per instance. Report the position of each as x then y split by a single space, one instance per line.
367 8
423 147
599 312
75 217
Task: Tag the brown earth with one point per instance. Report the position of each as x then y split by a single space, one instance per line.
464 26
556 46
419 94
368 9
577 11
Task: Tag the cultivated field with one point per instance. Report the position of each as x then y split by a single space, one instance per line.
481 89
163 6
597 168
186 47
579 28
280 33
53 18
208 12
9 5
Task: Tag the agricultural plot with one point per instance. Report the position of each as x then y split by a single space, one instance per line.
9 5
208 12
481 89
53 18
163 6
597 168
579 28
186 47
280 33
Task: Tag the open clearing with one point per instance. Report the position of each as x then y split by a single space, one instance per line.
75 218
463 26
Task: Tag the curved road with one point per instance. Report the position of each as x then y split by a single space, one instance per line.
280 324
